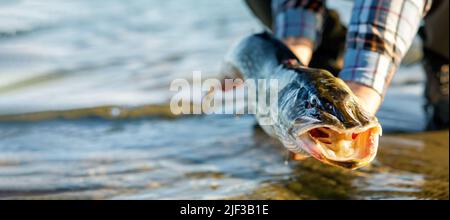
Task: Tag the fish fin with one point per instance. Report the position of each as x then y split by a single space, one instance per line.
297 156
229 72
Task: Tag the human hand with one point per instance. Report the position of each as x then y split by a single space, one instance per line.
301 47
368 97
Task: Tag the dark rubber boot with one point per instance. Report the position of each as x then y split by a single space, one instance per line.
436 91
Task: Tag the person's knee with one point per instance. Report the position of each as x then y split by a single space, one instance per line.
436 28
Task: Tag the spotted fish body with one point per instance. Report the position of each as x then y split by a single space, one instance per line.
316 113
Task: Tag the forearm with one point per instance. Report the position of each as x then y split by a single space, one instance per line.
299 24
379 35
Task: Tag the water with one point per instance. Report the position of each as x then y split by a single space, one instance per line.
108 52
83 113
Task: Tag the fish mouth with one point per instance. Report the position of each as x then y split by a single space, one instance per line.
348 148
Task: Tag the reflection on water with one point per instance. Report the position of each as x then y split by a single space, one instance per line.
84 114
147 158
202 157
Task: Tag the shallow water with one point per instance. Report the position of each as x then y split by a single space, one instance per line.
84 115
202 158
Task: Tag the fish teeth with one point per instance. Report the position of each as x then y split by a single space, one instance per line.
331 153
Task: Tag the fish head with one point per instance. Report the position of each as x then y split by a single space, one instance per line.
330 124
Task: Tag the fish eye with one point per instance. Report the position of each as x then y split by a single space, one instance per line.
328 106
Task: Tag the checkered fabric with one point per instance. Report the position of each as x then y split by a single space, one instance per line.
379 34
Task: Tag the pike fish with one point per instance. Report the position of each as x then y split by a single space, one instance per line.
316 114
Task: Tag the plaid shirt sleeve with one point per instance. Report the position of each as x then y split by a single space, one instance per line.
299 18
379 35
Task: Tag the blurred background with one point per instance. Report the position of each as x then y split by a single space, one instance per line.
84 93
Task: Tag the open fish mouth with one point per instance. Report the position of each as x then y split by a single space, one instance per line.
349 148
